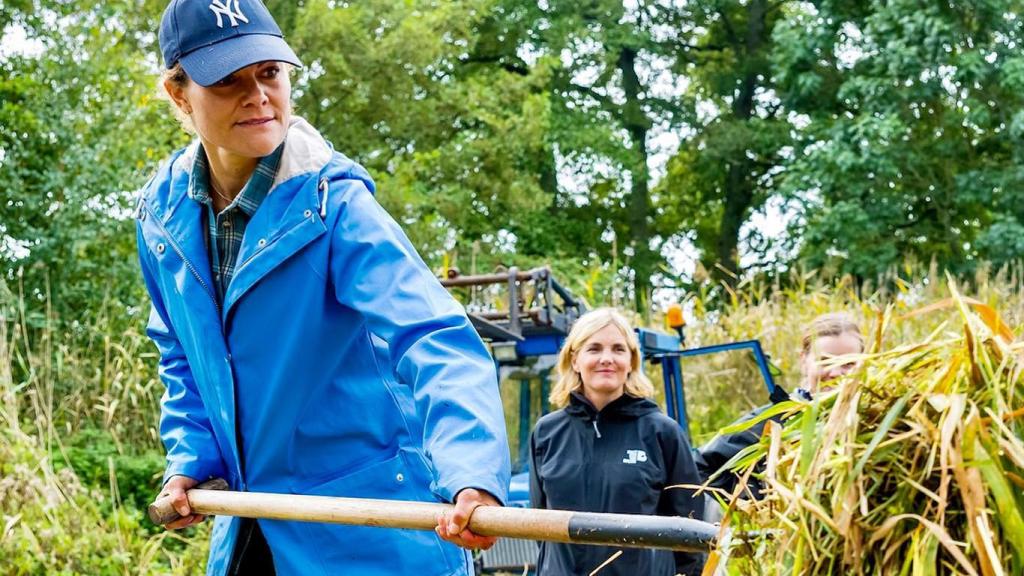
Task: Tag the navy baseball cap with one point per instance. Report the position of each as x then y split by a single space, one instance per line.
213 38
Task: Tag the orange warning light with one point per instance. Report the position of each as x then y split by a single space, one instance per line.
674 317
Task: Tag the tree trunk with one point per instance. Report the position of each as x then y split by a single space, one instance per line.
739 184
638 206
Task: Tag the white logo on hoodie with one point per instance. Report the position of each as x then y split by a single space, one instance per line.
634 457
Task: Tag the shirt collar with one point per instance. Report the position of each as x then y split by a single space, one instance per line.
199 177
252 194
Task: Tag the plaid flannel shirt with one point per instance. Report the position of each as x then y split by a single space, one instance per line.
224 231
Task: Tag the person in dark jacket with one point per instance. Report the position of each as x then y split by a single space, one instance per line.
609 449
827 337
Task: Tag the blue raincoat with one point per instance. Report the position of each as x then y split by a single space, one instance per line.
337 364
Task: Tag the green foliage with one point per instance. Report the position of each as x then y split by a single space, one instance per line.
79 132
454 144
911 147
93 455
506 132
606 103
56 524
79 459
727 168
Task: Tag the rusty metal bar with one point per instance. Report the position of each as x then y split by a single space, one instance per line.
485 279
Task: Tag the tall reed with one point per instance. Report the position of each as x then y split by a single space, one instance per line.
720 388
59 386
914 464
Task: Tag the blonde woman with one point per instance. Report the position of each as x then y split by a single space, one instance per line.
827 337
609 449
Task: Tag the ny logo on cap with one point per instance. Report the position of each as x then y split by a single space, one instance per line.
224 8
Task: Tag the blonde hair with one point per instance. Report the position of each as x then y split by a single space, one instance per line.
569 380
832 324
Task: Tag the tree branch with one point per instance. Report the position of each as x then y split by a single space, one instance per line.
516 66
730 32
772 110
606 103
694 47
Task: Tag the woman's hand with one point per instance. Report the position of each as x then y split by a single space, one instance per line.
452 526
175 488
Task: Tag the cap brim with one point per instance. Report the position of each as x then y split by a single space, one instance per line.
208 65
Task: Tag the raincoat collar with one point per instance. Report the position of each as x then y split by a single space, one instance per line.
290 216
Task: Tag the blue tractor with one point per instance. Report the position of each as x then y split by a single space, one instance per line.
528 318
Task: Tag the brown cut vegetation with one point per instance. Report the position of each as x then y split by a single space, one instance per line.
911 465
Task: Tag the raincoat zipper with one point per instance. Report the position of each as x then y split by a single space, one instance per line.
188 264
216 305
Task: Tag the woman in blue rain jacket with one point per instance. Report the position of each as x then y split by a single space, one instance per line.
333 363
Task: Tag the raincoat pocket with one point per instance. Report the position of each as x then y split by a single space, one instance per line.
366 550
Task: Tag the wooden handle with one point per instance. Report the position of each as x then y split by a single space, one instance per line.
162 512
626 530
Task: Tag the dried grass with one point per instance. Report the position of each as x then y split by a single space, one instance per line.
912 465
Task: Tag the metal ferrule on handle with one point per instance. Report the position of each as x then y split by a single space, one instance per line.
625 530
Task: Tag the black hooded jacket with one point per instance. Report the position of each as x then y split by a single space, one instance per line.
713 455
617 460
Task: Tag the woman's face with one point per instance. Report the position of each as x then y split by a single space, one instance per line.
824 349
603 363
245 114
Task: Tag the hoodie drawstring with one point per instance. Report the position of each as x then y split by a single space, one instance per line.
596 431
